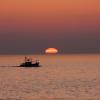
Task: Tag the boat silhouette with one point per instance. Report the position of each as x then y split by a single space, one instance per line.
29 63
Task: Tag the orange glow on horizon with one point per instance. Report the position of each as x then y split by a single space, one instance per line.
51 51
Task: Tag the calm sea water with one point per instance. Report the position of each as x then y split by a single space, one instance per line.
60 77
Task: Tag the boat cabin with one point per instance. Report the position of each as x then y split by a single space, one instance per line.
29 63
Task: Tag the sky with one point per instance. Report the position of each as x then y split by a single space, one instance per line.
31 26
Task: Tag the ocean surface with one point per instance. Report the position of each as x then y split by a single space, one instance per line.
60 77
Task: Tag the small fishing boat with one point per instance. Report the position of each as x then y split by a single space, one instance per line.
29 63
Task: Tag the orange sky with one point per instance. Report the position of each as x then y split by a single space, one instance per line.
49 13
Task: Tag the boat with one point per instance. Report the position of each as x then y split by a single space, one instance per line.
29 63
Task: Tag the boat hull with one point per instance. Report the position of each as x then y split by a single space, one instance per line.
32 65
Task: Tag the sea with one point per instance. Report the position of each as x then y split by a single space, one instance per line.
60 77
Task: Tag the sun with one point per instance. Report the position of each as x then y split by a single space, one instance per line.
51 51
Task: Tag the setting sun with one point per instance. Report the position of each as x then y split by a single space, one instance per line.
51 51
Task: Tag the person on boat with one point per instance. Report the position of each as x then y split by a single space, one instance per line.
25 59
37 61
28 59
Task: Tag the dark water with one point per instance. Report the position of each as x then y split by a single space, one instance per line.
61 77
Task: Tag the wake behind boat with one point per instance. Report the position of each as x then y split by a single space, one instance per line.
29 63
